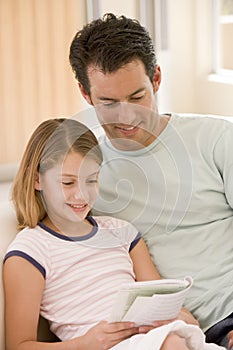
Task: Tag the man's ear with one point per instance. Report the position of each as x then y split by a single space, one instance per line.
85 94
37 182
157 78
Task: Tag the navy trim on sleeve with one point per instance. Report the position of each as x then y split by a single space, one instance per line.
28 258
136 240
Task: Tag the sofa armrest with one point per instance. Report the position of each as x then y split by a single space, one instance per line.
7 234
8 171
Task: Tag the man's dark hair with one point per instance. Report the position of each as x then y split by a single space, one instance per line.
110 43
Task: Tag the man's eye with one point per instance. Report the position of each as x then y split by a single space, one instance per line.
137 98
110 104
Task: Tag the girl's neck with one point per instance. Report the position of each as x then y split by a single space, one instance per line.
80 228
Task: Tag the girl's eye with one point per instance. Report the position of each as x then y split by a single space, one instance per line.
94 181
68 183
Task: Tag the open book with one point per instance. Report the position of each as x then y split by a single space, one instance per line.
145 302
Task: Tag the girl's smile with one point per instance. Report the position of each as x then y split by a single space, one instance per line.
70 189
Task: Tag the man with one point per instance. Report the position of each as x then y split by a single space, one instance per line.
171 176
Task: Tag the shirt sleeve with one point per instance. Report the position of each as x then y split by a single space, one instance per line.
135 242
30 248
224 160
27 257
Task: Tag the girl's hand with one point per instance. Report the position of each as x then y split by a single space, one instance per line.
105 335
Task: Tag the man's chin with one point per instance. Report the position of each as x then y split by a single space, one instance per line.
125 144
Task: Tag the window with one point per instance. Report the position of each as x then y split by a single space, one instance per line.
222 36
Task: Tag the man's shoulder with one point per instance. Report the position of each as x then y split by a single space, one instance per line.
202 123
203 118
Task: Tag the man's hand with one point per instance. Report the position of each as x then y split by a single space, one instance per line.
187 317
230 337
184 315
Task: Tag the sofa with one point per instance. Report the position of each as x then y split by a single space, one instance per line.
8 231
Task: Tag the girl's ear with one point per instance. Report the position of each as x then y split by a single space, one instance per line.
37 182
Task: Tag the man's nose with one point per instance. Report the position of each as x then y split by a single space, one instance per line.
125 113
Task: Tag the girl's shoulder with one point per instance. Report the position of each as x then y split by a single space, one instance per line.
28 237
116 229
112 222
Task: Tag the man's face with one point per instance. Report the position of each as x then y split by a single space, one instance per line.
125 104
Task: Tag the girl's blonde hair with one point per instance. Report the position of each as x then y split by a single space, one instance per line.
51 141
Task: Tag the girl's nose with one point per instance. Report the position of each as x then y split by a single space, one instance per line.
80 194
77 192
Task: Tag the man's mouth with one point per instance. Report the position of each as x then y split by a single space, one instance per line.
128 130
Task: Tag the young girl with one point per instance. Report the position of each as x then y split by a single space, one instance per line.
65 264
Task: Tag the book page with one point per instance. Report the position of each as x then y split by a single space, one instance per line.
145 302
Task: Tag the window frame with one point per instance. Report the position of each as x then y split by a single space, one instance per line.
218 74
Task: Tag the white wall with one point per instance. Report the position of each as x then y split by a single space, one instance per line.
192 87
182 48
119 7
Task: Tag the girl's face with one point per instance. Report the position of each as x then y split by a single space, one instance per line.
69 189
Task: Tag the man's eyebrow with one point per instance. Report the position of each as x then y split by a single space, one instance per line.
103 98
137 91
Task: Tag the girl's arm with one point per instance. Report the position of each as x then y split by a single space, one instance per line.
23 287
144 267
